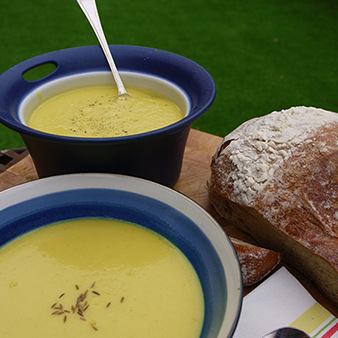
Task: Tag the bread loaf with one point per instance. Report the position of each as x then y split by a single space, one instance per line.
256 262
276 177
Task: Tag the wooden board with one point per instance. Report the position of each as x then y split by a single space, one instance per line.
193 183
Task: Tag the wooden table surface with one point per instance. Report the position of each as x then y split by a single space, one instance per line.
192 183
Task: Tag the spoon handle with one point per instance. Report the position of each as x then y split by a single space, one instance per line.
90 10
287 332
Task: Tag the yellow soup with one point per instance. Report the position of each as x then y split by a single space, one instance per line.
97 278
99 112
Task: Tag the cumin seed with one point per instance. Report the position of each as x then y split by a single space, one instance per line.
121 300
77 287
65 318
96 293
61 295
92 285
53 305
108 305
94 327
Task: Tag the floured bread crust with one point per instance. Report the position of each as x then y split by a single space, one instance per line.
256 262
276 177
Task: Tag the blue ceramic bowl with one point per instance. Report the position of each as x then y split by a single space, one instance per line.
165 211
155 155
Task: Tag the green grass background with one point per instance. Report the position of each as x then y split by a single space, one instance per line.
264 55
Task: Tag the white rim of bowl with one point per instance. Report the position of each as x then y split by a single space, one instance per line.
94 78
153 190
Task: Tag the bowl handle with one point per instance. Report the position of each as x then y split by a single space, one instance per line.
16 79
63 64
39 71
14 87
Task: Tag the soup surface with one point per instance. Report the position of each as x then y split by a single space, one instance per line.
97 278
99 112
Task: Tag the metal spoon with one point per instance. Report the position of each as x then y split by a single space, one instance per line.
287 332
90 10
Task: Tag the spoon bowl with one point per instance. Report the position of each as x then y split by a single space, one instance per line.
287 332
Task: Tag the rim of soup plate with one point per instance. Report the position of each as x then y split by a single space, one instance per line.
174 199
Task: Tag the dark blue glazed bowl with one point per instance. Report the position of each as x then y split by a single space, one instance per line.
155 155
174 216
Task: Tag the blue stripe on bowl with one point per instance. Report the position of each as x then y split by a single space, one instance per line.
145 211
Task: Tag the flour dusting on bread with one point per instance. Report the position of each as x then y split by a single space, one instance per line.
276 178
256 262
260 146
